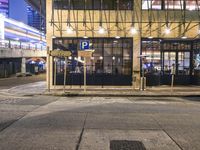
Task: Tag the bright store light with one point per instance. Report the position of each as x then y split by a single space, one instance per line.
69 30
133 30
167 30
101 30
117 37
184 37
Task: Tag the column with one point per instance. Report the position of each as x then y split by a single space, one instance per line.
23 65
137 44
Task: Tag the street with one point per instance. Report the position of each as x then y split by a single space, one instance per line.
38 122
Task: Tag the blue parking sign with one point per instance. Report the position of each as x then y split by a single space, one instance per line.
85 45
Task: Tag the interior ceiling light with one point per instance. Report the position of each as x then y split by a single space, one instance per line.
117 37
167 30
101 30
133 30
85 37
53 37
69 30
184 37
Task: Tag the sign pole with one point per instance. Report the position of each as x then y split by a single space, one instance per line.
173 71
85 75
172 83
65 73
55 72
48 69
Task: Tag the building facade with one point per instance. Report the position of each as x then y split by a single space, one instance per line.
4 7
35 19
130 38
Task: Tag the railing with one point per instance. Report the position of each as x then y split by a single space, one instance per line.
22 45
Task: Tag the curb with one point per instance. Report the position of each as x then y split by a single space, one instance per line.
118 95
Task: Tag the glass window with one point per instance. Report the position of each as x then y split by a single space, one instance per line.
93 4
152 63
192 4
97 4
111 62
174 4
109 4
183 63
125 4
149 4
78 4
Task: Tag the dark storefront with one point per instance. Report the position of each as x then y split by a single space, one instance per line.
164 53
9 67
111 63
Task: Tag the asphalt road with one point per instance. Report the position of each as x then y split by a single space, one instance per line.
90 123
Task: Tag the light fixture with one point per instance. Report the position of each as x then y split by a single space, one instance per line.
69 30
101 30
117 37
113 58
133 30
150 37
70 57
53 37
184 37
55 59
167 30
100 57
85 37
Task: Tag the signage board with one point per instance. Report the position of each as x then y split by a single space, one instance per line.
87 53
85 45
57 53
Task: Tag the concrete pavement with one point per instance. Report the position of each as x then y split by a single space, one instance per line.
39 88
90 123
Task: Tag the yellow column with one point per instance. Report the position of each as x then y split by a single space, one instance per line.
49 29
137 44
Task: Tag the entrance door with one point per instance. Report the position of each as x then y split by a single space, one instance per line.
181 60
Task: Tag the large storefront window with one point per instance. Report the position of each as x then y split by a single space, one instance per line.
152 63
165 54
93 4
110 64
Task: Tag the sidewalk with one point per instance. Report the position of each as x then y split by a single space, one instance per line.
178 91
39 88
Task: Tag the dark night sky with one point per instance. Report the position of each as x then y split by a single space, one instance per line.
18 10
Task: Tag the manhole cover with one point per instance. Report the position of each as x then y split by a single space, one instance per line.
126 145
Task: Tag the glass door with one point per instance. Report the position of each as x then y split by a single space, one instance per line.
168 61
183 63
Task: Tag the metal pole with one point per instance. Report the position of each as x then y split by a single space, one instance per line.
172 83
48 69
55 72
65 73
85 75
173 71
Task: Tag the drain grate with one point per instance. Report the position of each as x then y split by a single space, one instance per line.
126 145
